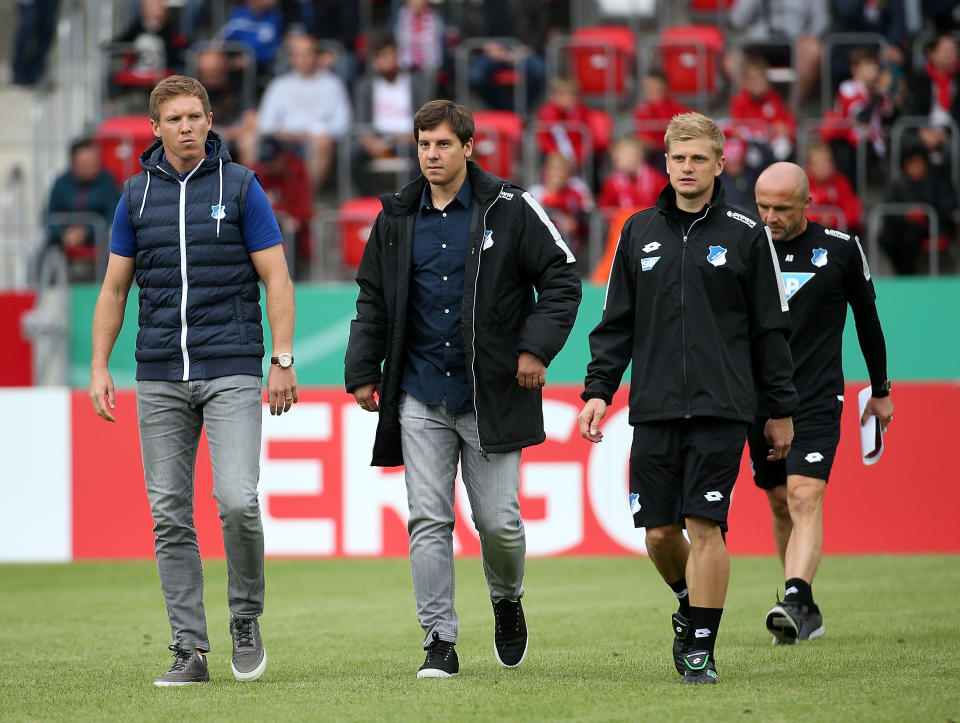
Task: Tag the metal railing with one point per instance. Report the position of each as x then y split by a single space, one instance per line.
875 218
910 122
14 240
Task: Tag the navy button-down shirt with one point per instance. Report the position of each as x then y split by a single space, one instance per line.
436 367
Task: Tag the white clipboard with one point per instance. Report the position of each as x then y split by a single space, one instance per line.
871 435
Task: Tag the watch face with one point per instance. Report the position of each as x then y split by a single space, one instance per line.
284 360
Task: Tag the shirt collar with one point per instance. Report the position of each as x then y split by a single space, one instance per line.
464 195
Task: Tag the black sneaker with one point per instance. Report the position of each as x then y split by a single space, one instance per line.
792 623
189 667
249 657
699 667
681 643
441 661
510 635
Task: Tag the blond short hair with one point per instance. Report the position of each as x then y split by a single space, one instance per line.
690 126
172 87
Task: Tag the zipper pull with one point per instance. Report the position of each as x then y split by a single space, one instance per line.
684 242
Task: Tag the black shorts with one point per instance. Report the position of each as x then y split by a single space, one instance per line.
816 434
684 467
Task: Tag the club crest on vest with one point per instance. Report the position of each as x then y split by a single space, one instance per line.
218 212
717 255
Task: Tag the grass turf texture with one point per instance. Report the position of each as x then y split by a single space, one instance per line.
85 641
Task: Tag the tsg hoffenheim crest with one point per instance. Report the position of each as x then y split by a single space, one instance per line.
218 212
717 255
819 258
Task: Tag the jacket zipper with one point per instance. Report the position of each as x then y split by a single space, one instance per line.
182 223
683 322
473 317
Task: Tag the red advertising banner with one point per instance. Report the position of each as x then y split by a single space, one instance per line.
320 497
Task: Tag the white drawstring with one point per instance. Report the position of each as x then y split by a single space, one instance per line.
220 199
144 201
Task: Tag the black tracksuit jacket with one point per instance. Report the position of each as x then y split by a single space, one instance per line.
699 310
521 293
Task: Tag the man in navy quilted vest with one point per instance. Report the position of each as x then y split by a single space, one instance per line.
196 232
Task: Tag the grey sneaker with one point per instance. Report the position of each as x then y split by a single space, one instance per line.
249 658
189 667
792 623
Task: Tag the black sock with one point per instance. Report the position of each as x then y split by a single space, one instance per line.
798 591
705 622
683 595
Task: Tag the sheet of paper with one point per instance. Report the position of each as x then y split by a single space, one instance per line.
871 437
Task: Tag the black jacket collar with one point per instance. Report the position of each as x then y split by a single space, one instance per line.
406 201
667 201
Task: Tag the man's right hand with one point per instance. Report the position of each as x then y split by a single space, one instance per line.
779 435
102 393
366 396
589 419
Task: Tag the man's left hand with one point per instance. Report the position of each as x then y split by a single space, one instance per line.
779 435
531 371
281 389
879 407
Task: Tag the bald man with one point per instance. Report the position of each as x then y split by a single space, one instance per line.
823 270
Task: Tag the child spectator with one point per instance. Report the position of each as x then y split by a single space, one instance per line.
566 199
655 110
758 102
157 42
633 183
560 119
420 36
736 180
831 188
904 237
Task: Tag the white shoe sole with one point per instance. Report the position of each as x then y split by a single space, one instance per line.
172 684
434 673
523 657
253 674
779 623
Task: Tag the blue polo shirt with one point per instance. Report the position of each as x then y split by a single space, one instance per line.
436 368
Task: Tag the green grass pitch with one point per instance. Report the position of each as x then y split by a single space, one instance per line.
86 640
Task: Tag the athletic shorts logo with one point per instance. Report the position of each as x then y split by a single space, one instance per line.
218 212
742 219
793 281
814 457
819 258
652 246
634 503
701 633
713 496
648 263
717 255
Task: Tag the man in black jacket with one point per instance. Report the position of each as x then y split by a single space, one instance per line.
695 301
467 292
823 271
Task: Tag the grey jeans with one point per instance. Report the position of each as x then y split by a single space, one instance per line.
171 416
433 443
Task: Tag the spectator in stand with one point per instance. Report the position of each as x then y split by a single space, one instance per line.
865 101
935 93
233 117
327 20
419 31
800 22
36 20
156 38
736 179
562 120
887 18
654 112
308 107
529 22
284 179
566 199
84 188
768 120
904 237
943 14
633 183
259 24
386 100
828 187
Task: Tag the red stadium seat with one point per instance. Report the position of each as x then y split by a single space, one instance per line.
712 7
690 56
602 59
601 130
496 141
355 219
122 139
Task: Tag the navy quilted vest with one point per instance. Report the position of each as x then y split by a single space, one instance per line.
199 293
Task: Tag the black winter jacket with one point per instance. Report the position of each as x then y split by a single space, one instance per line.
513 252
700 316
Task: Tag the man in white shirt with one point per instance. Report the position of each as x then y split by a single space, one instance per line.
308 106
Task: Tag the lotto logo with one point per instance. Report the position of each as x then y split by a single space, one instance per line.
702 633
652 246
814 457
713 496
